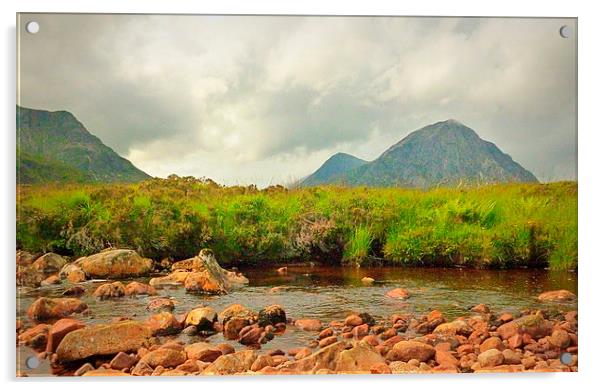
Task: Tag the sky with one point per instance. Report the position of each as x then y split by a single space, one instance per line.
266 99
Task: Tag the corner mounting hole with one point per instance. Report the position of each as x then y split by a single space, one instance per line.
566 31
566 358
32 27
32 362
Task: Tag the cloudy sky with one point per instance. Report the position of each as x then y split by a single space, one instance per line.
267 99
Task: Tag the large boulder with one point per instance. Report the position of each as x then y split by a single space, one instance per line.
408 350
271 315
202 318
115 263
535 325
202 351
203 282
164 357
163 323
73 273
174 279
50 263
324 358
235 310
109 290
137 288
49 308
106 339
205 263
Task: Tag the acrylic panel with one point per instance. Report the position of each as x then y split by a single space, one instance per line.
227 195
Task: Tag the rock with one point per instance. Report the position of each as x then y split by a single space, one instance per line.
59 330
367 280
52 279
202 282
271 315
83 369
446 359
367 319
511 357
398 293
32 336
122 360
557 296
328 341
361 331
115 263
233 327
358 359
105 372
233 363
407 350
535 325
48 308
308 324
325 333
109 290
235 310
173 279
490 358
353 320
492 343
560 338
202 351
380 368
459 327
205 263
505 317
515 341
73 273
481 308
250 335
25 258
163 324
282 270
26 276
109 339
160 304
142 369
261 362
319 360
202 318
74 291
50 263
164 357
137 288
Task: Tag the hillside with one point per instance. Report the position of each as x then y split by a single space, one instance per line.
56 147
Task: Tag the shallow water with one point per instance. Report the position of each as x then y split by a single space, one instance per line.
330 293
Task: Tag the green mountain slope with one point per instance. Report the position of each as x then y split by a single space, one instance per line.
333 169
444 153
56 147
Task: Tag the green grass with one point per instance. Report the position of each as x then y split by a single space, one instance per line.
498 226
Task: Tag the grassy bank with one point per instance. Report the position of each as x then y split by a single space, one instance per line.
500 226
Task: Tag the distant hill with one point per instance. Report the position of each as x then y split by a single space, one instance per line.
333 169
444 153
56 147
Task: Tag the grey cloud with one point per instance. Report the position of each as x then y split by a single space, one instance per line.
266 98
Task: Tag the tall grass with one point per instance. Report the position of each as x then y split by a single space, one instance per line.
500 226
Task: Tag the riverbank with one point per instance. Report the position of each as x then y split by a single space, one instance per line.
497 226
308 304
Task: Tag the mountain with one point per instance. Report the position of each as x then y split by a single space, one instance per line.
444 153
333 169
56 147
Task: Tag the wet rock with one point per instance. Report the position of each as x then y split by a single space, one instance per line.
535 325
109 290
205 263
325 333
360 331
164 357
174 279
455 327
73 273
202 318
251 335
59 330
202 282
163 324
505 317
48 308
271 315
407 350
353 320
398 293
109 339
115 263
122 360
26 276
367 280
491 343
52 279
481 308
557 296
160 304
491 358
34 336
137 288
358 359
308 324
328 341
50 263
235 310
202 351
232 363
233 327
